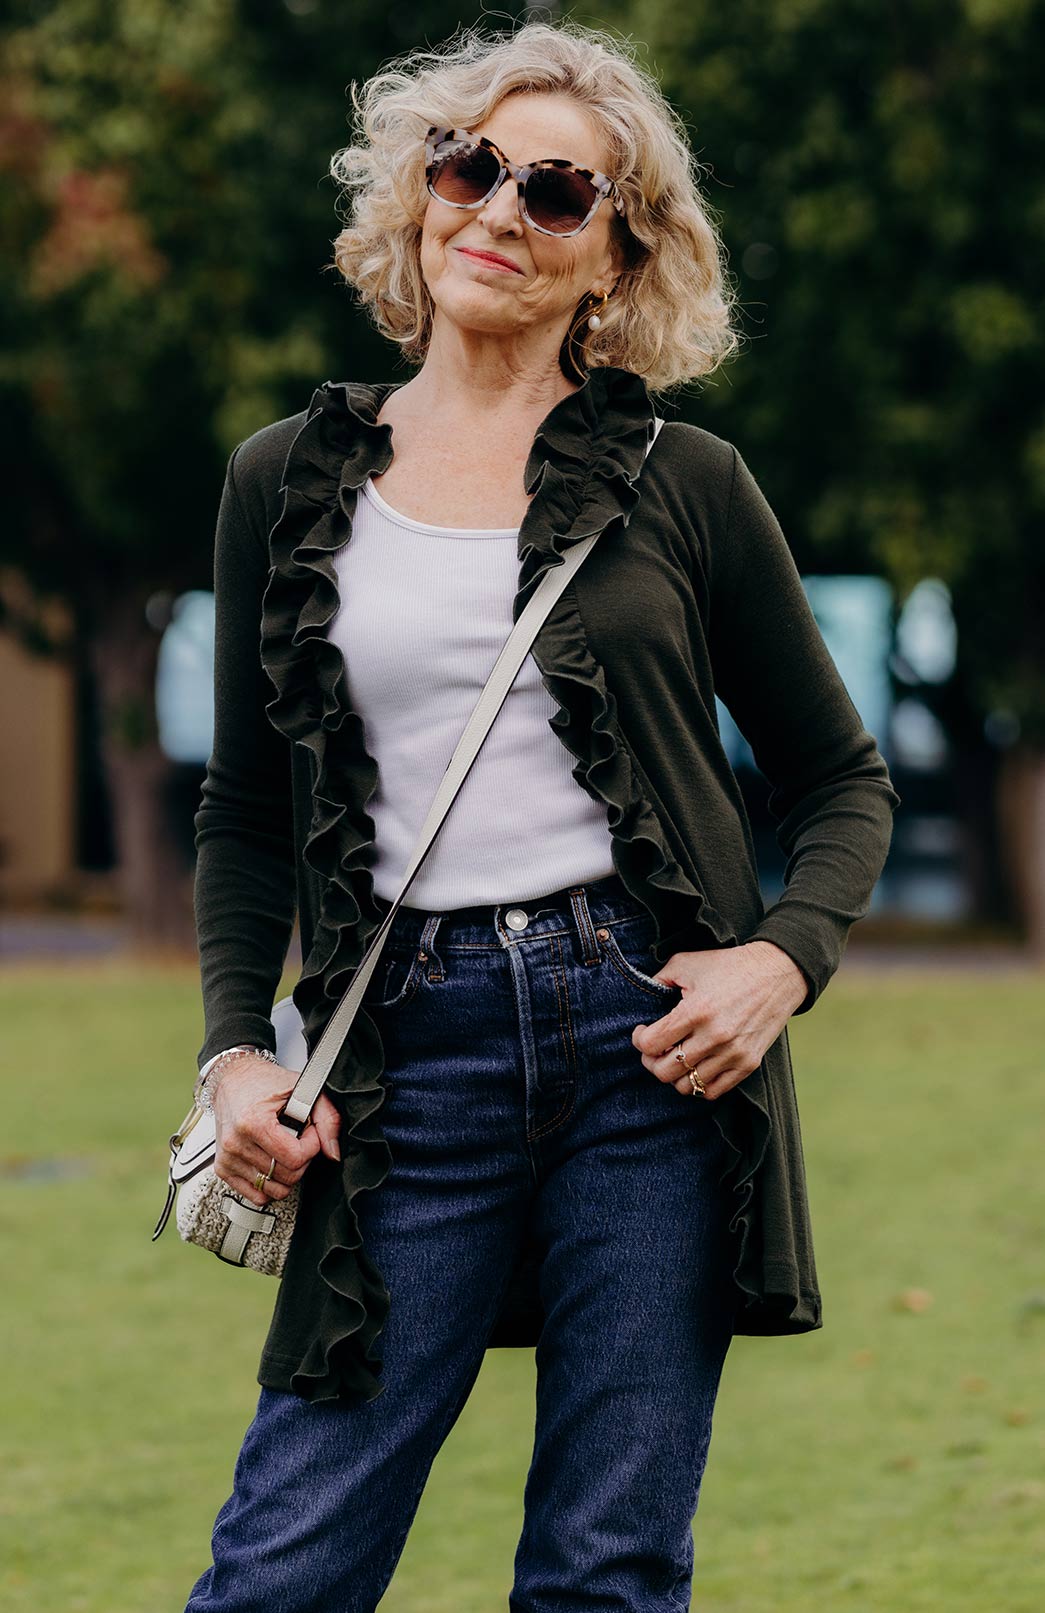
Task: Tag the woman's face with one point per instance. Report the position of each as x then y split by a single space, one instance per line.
550 275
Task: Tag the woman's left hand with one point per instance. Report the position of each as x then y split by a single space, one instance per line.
735 1002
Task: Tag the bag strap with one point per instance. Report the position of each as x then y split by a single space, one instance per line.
298 1107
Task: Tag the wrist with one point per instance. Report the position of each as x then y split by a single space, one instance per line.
214 1069
782 966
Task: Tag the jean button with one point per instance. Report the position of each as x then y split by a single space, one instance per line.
516 918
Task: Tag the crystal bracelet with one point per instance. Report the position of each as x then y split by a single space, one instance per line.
203 1094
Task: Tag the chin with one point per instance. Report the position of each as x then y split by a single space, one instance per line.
480 313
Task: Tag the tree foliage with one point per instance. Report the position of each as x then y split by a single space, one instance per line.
166 217
878 173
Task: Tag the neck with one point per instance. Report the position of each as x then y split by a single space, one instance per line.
467 375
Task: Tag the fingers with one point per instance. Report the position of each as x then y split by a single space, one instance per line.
327 1122
238 1162
717 1075
245 1186
716 1071
243 1151
249 1145
660 1035
686 1088
280 1180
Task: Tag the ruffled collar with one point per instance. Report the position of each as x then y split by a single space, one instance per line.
586 456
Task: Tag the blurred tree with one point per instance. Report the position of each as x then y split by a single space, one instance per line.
877 171
165 215
877 168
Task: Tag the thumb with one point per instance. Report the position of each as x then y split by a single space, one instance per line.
327 1122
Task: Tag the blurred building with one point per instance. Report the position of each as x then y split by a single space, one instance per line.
38 771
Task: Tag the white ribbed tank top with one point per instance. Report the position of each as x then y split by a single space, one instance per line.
425 611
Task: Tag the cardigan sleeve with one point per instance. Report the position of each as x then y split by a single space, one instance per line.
245 885
830 791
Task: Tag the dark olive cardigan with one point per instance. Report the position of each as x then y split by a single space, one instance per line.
691 591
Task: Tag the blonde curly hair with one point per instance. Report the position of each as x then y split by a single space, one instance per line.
669 318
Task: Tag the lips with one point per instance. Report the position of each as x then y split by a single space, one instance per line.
493 258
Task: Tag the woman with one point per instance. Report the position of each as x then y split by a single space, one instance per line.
585 951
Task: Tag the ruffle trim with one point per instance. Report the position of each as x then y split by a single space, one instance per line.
586 462
583 471
335 450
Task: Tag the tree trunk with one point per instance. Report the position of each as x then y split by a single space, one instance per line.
156 886
1021 812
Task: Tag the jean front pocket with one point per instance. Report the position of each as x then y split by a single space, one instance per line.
396 977
627 947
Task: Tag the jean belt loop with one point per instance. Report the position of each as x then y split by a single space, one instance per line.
585 928
426 947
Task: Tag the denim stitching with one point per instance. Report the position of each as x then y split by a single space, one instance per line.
409 986
436 972
567 1109
565 1017
629 971
582 915
557 1120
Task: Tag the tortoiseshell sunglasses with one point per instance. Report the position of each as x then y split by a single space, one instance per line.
555 197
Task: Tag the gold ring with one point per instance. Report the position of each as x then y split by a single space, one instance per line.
259 1181
694 1080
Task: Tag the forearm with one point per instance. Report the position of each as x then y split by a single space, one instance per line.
244 901
245 885
830 791
832 868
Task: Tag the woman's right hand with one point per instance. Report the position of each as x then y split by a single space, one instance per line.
247 1100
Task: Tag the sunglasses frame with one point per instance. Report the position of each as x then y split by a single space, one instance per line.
603 185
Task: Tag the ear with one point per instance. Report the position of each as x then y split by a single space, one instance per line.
608 280
613 268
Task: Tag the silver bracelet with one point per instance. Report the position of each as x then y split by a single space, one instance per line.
209 1076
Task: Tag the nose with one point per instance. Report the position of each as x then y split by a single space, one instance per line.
501 212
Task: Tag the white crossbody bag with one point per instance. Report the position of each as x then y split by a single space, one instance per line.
209 1212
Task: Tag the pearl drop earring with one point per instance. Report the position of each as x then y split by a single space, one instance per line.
594 321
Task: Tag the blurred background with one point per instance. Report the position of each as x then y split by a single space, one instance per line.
166 219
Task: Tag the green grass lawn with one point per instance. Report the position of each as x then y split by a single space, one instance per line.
893 1460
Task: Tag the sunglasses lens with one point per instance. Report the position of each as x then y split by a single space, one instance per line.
462 173
558 200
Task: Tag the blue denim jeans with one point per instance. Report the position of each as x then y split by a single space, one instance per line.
517 1104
